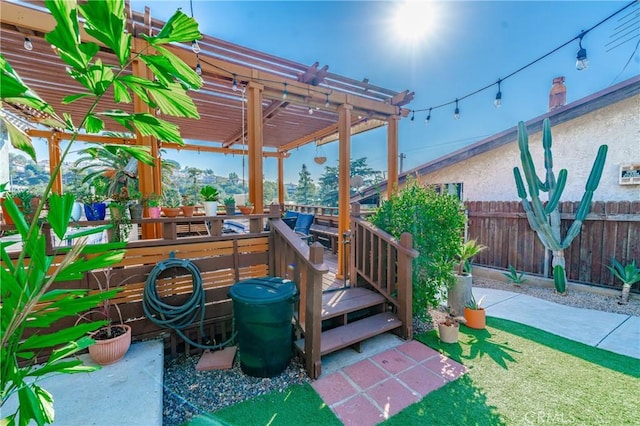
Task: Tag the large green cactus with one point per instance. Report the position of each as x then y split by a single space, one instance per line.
545 219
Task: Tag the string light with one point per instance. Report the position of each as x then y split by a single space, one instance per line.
195 47
234 85
284 92
498 101
326 102
198 68
27 44
456 113
310 110
581 63
581 58
413 115
428 119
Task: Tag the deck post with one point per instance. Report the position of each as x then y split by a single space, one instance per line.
405 287
355 214
313 308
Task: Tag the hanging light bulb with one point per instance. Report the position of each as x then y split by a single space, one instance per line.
428 119
498 101
310 110
413 115
27 43
195 47
158 111
234 85
326 102
198 68
284 92
456 113
581 58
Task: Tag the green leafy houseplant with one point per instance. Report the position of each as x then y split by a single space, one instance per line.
436 223
466 252
629 275
29 303
209 193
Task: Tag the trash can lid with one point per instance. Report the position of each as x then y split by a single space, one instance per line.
262 291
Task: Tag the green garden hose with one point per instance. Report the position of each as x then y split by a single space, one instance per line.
173 316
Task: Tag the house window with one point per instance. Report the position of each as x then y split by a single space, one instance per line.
449 188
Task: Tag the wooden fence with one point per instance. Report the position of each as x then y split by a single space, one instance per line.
611 229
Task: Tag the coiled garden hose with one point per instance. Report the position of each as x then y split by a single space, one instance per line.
178 317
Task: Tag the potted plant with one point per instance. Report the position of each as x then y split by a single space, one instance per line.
25 201
475 314
135 205
629 275
230 205
449 328
211 197
152 203
459 294
112 340
171 203
188 205
246 208
94 206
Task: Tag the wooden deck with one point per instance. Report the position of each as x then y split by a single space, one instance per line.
329 281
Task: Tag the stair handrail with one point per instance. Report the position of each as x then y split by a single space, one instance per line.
291 257
395 284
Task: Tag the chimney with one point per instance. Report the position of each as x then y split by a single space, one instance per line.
558 94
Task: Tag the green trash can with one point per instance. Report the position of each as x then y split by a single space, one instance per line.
263 312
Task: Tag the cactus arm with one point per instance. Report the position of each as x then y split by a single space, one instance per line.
548 155
528 167
596 170
522 192
555 194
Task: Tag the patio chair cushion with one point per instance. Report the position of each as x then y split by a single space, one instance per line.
303 224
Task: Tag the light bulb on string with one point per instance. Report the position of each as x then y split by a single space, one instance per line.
428 119
326 102
413 115
198 68
498 101
195 47
284 92
310 110
27 44
234 85
581 58
456 112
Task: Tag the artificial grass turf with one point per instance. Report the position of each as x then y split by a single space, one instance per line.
297 405
519 375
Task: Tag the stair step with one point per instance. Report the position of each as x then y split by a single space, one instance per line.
355 332
342 302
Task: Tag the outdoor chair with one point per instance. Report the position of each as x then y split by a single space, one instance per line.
303 225
290 217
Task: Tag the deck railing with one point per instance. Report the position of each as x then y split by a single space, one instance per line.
384 263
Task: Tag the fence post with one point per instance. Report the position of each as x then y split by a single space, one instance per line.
313 308
405 286
353 249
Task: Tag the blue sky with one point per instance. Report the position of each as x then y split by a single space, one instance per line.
467 45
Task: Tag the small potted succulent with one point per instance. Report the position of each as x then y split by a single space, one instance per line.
171 203
230 205
188 205
449 327
211 197
152 204
475 314
246 208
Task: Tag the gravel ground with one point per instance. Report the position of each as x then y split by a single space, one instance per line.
189 392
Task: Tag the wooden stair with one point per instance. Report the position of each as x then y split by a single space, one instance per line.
351 316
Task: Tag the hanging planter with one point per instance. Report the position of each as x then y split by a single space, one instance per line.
320 157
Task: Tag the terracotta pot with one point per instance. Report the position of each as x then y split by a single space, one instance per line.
187 211
171 211
108 351
5 215
448 333
476 318
245 210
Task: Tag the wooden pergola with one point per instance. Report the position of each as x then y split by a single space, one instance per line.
274 123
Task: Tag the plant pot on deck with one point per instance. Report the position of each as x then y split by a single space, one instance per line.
476 318
210 208
171 211
188 211
245 210
107 351
448 331
460 294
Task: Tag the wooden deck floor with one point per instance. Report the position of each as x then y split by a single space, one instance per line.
329 281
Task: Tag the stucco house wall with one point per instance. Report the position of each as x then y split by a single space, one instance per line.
489 176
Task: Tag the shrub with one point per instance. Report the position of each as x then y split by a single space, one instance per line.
437 224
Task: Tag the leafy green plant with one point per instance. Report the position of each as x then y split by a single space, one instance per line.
544 219
466 252
629 275
209 193
151 200
475 304
29 303
436 223
514 277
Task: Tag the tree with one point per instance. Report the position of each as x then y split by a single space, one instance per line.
270 192
306 192
329 180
